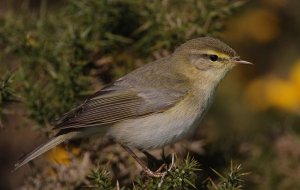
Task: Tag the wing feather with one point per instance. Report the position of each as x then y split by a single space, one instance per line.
145 91
102 110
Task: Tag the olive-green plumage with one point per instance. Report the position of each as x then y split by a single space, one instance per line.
155 105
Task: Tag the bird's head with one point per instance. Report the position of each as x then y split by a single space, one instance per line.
211 56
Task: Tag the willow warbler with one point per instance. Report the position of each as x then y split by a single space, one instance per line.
155 105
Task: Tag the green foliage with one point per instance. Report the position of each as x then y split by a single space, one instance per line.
100 179
61 50
233 180
7 94
183 175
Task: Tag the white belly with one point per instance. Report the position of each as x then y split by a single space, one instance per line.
159 129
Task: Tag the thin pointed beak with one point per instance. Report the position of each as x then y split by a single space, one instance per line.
237 60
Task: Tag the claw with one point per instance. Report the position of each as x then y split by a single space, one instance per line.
154 174
161 167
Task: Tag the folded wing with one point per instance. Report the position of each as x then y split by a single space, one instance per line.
129 97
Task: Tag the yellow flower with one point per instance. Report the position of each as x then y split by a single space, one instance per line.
282 94
295 74
273 92
59 155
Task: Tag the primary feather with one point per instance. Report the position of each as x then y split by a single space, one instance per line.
44 148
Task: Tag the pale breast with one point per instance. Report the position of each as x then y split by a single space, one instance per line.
160 129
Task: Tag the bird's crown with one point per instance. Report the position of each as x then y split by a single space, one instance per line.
207 45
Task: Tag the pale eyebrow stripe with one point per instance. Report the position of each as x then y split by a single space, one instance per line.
210 52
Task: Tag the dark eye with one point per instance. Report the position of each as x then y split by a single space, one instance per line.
213 57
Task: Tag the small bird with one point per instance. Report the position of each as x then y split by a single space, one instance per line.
154 105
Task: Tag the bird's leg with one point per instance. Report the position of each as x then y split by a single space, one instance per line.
161 167
172 162
165 159
142 164
163 156
152 159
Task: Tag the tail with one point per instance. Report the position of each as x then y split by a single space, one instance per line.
44 148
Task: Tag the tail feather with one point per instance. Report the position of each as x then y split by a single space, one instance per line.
44 148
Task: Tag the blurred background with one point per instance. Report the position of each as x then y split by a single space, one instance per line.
55 53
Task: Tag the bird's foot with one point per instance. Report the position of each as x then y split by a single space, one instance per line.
161 167
158 172
151 173
168 170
